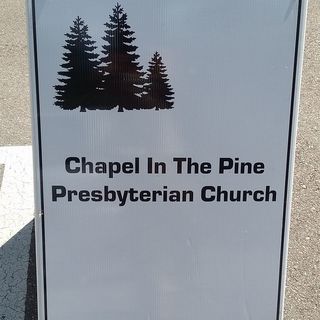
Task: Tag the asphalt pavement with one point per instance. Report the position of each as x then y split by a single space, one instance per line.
303 282
15 120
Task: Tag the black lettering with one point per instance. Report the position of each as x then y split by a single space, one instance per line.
137 166
187 196
145 196
221 193
192 167
225 164
258 168
155 194
122 197
235 196
71 193
86 165
150 165
258 196
68 161
127 167
165 194
270 193
84 195
174 196
179 162
58 192
160 167
96 195
114 167
207 193
101 167
246 167
109 195
133 194
205 168
245 195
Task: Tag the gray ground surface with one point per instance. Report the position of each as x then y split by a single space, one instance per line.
14 70
303 284
303 290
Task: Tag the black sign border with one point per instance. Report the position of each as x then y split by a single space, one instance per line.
290 157
37 128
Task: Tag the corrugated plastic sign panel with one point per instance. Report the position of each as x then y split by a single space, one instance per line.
164 137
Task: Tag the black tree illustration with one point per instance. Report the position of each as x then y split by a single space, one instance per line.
122 76
80 77
158 92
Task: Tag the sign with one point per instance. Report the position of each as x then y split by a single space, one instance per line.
164 145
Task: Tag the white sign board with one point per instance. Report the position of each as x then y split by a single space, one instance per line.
164 145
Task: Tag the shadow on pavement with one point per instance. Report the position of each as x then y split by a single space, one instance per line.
18 276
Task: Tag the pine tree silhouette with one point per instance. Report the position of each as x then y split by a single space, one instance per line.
122 76
80 77
159 93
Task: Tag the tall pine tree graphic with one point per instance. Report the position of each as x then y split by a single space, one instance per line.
122 76
80 75
159 93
